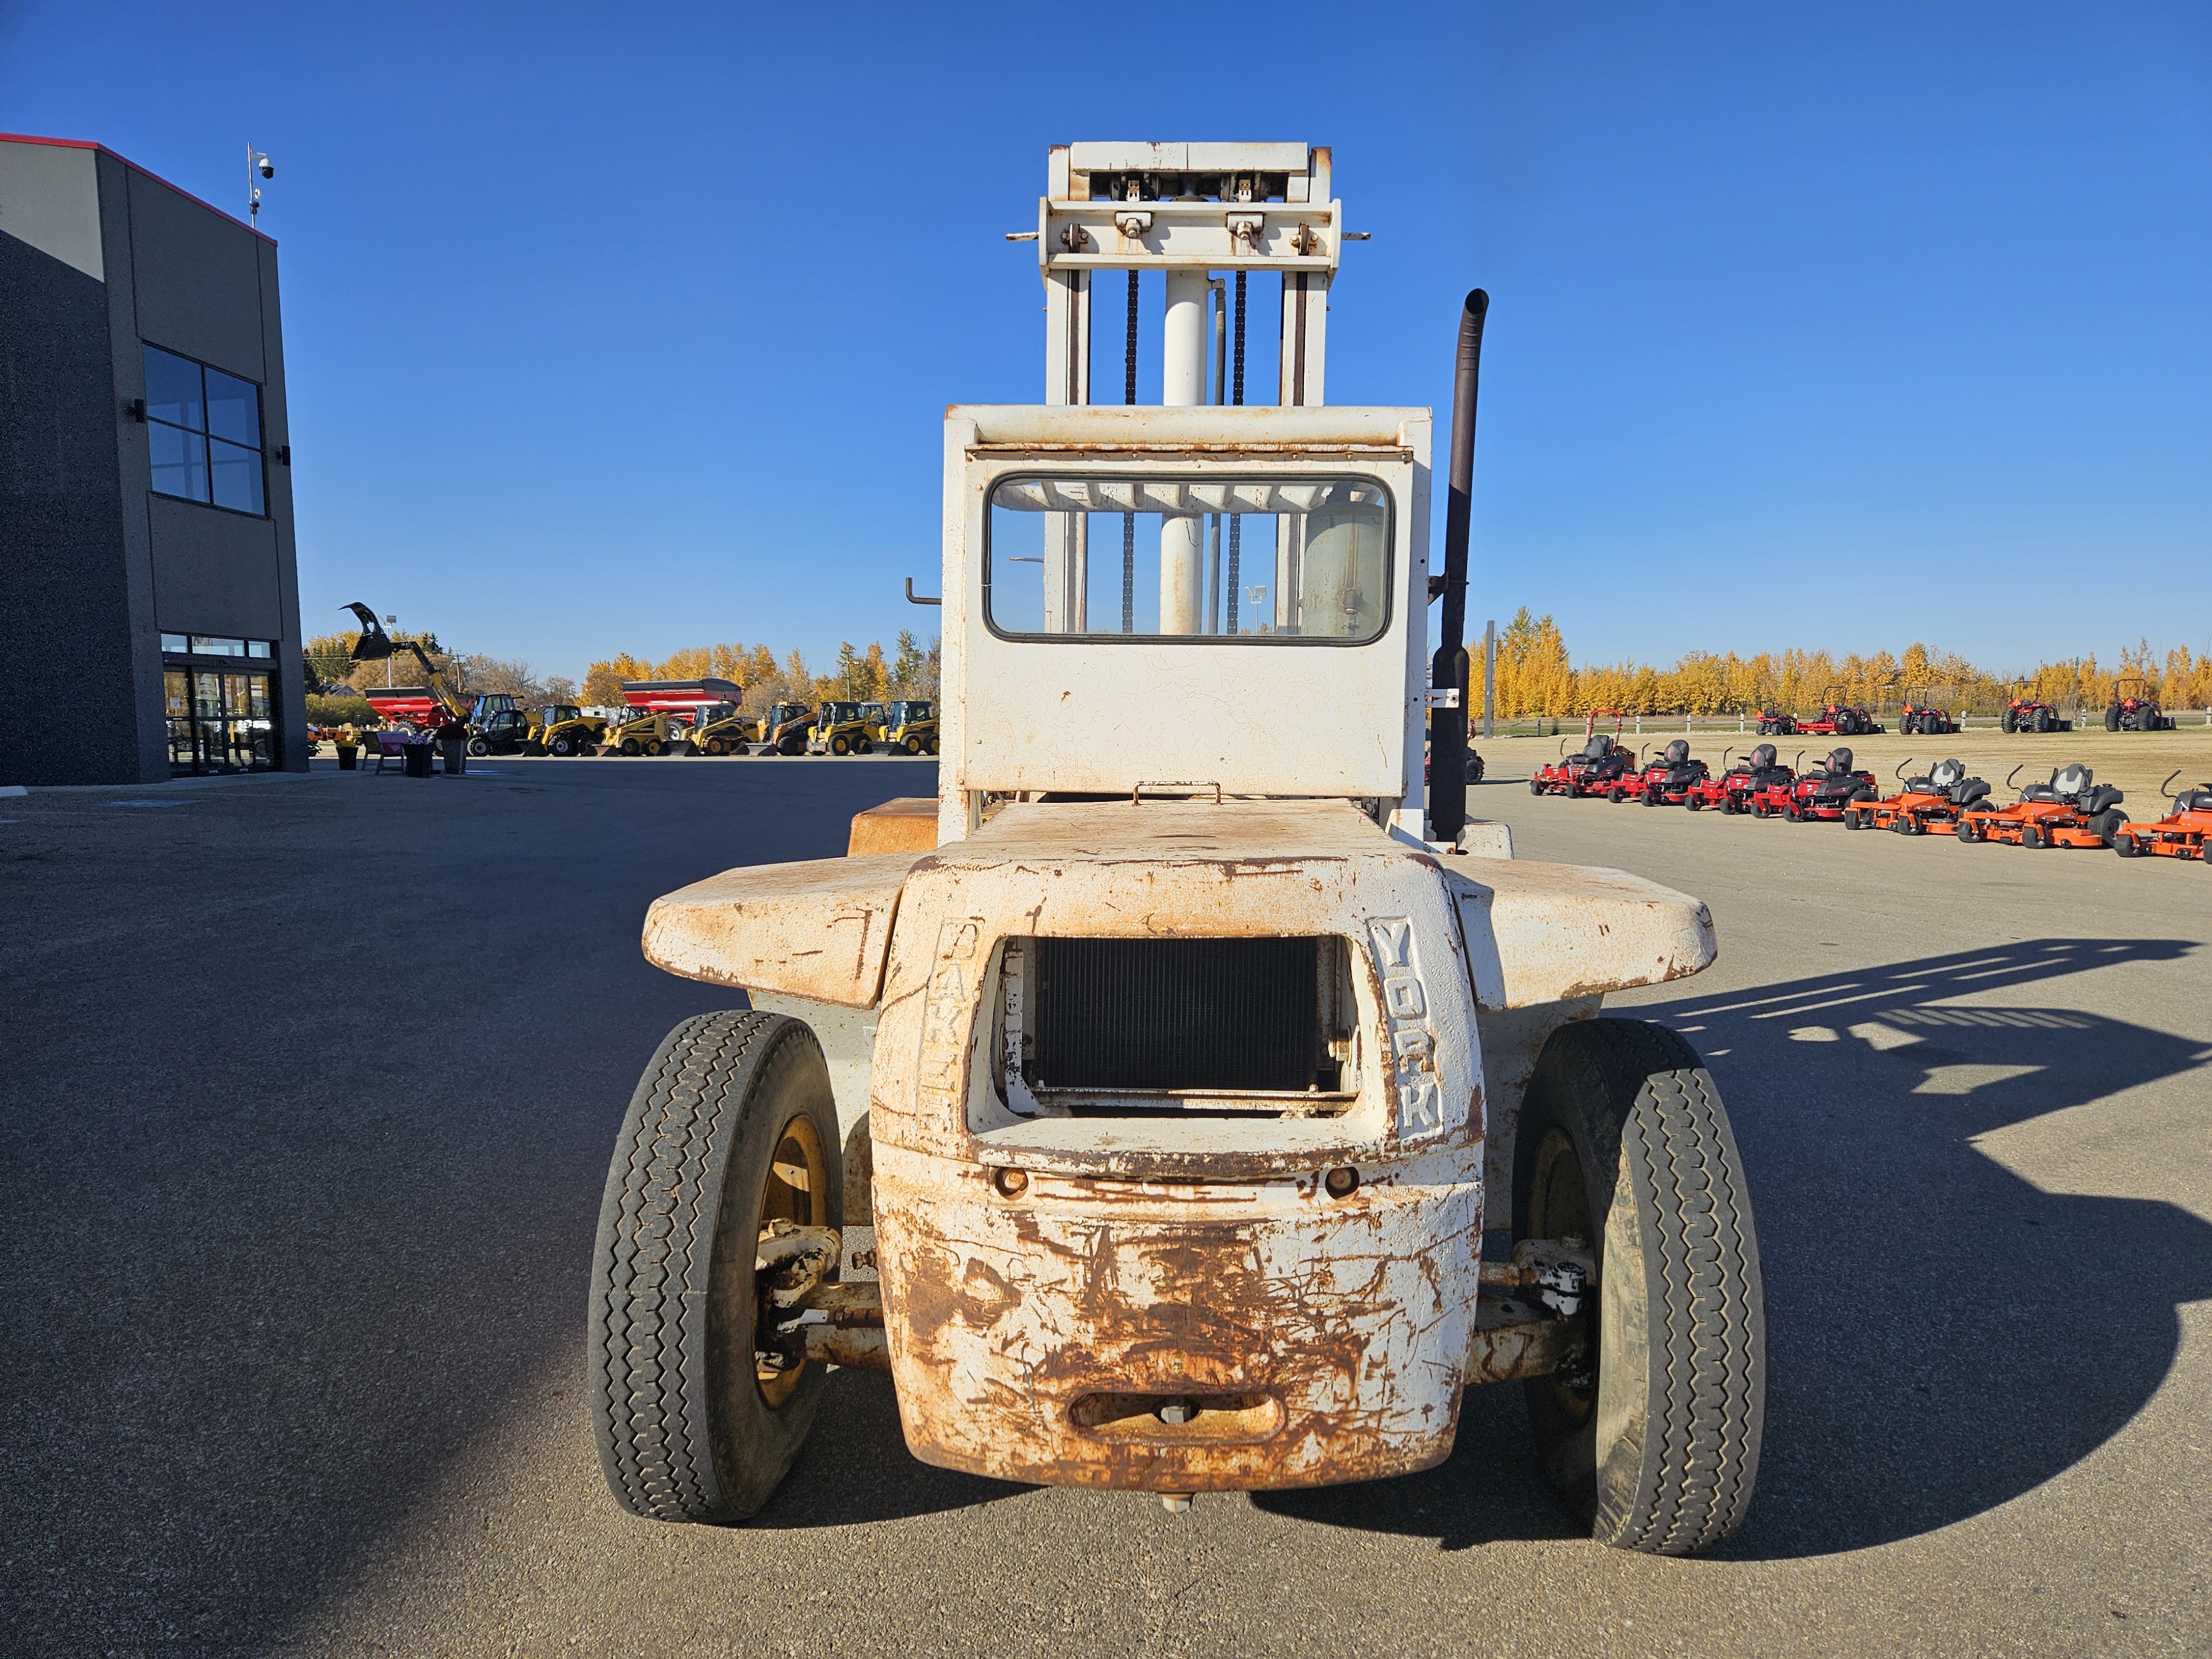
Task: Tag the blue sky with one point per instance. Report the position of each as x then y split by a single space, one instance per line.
628 328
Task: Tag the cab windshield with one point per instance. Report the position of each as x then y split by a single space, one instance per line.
1262 560
837 713
556 712
903 713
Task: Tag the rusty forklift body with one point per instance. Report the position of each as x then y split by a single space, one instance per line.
1147 1128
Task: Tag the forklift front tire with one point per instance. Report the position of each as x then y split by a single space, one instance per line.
732 1128
1623 1142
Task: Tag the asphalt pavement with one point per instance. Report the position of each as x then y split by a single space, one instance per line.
309 1086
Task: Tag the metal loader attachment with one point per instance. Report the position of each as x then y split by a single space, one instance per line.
1201 1112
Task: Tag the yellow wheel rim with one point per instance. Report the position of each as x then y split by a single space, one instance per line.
1558 1207
795 1189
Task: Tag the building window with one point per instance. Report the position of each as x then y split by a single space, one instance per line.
212 645
203 428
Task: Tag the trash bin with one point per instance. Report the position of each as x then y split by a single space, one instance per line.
417 759
456 755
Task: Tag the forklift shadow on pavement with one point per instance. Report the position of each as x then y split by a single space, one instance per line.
1946 1335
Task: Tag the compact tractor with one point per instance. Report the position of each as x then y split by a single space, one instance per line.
2134 706
2026 713
1836 719
2185 832
1922 718
911 728
1732 792
2072 809
1146 1128
1933 803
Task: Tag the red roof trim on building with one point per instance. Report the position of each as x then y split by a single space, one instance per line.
87 144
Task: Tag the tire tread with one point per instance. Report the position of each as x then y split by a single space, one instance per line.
649 1305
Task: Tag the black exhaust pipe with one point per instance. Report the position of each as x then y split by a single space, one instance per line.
1447 790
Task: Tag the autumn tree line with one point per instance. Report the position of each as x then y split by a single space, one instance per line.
1536 676
861 674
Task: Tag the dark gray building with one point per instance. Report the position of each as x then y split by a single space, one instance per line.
149 598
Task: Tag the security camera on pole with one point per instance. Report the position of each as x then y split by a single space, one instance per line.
256 163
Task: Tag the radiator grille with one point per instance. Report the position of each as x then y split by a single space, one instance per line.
1172 1014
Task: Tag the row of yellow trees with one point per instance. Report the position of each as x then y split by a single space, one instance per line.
1536 677
865 674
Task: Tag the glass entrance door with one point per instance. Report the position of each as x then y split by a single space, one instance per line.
219 721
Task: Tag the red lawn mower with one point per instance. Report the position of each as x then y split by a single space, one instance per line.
2134 708
1732 791
1821 794
2184 833
1592 770
1665 782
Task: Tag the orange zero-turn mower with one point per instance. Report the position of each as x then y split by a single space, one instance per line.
2072 809
2185 832
1925 806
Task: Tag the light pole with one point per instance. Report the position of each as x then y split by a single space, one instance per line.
390 622
256 163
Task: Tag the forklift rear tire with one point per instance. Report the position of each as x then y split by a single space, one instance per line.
1624 1142
690 1426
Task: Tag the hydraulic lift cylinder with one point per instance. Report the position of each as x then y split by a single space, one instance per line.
1183 385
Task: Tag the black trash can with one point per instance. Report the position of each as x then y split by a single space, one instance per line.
417 759
456 755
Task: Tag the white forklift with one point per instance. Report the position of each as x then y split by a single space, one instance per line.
1149 1127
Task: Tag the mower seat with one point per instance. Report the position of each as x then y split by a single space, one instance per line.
1596 747
2194 800
1967 793
1762 758
1838 763
1676 752
1944 775
2071 781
